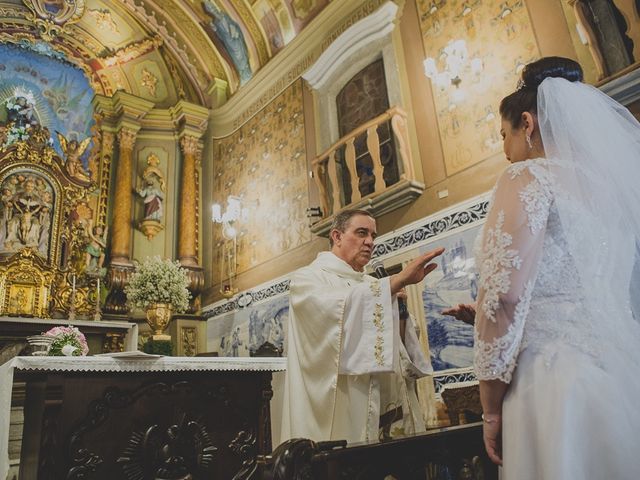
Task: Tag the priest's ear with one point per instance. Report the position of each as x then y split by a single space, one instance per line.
334 236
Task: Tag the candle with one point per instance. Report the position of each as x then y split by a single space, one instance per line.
73 283
96 315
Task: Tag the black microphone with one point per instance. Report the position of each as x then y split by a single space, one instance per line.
381 272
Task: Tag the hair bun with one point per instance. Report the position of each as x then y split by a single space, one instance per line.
556 67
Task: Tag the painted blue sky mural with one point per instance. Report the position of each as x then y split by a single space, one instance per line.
60 92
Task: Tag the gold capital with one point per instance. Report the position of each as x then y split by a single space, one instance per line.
127 139
190 145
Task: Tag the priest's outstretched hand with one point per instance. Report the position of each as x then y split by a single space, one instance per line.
415 270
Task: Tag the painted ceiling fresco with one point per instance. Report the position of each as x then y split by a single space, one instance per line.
184 46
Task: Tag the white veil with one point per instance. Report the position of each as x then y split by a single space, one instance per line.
594 145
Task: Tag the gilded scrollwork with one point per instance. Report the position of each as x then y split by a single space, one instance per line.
104 20
302 8
190 145
176 76
149 81
197 40
131 51
127 139
53 17
189 339
113 342
107 144
44 216
26 285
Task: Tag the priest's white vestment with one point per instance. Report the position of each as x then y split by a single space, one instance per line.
346 363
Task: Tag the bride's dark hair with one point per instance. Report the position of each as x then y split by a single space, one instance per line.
525 98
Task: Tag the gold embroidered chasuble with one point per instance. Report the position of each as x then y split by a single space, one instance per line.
345 357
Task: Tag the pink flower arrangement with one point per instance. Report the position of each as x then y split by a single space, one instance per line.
67 341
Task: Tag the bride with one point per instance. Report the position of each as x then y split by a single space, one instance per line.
557 346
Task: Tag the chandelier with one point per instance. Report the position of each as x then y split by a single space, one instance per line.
233 214
455 66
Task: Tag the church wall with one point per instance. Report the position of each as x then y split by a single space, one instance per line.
461 151
457 143
264 163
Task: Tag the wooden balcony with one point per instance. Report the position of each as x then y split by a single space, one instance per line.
370 168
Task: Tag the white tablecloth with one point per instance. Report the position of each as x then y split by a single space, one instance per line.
110 364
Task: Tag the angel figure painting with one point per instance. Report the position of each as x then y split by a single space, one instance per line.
73 151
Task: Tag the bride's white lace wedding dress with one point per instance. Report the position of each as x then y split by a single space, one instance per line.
571 410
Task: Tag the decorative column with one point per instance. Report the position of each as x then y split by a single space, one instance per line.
121 267
192 120
188 233
121 225
187 250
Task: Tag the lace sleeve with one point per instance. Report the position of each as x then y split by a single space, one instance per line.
507 257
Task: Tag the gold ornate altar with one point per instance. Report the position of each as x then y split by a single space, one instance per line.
46 232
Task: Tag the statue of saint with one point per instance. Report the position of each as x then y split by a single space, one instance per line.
153 195
95 249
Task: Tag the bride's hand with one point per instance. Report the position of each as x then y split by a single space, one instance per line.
465 313
492 436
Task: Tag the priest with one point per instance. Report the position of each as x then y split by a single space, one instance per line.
347 362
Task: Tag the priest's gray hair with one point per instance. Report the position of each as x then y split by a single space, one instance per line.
342 219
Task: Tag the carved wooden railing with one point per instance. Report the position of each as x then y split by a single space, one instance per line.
382 146
452 452
631 14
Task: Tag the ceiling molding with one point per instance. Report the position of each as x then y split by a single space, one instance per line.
183 22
